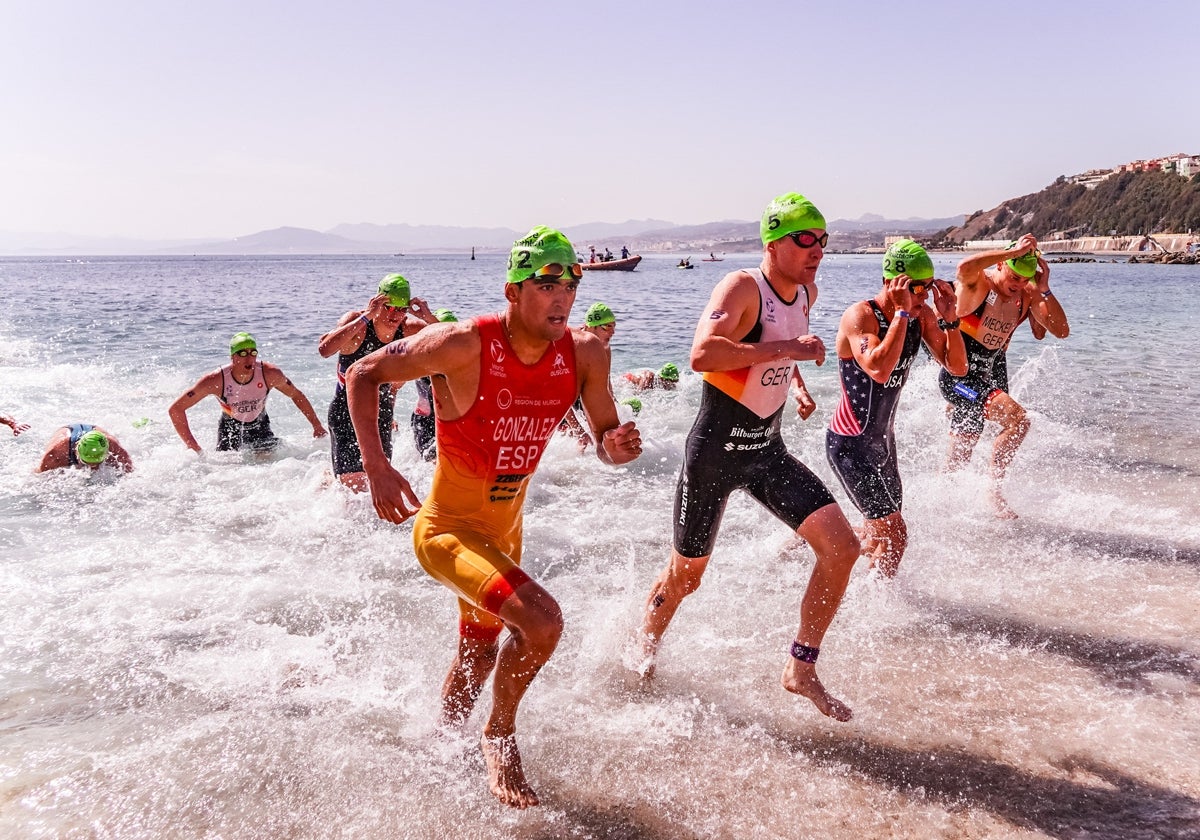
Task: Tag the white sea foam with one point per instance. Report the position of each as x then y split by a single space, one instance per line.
221 646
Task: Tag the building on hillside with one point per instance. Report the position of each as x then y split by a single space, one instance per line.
1092 177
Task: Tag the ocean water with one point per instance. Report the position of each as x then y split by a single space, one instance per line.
217 646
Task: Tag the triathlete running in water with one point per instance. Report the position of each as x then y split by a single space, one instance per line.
992 303
502 384
393 313
749 338
877 341
241 387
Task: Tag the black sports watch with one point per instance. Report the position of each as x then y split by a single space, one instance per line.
944 325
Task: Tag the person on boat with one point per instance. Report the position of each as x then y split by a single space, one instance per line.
624 252
748 340
85 446
592 259
996 291
393 313
602 323
608 255
502 382
666 378
712 257
424 416
686 262
877 341
11 422
241 387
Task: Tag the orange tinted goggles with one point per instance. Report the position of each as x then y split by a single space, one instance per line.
557 270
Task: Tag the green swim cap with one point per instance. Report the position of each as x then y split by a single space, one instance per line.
92 447
541 246
789 213
907 257
242 341
634 403
669 372
1025 265
396 289
444 315
598 315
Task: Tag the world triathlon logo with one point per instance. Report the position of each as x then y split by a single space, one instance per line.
503 396
497 350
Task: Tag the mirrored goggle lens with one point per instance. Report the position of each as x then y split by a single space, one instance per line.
557 270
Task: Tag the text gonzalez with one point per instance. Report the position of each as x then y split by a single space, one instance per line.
528 433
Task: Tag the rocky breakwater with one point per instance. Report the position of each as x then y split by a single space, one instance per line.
1168 258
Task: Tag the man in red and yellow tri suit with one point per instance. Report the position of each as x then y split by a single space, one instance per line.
501 384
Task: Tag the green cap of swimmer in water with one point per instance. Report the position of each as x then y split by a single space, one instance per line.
668 372
1026 265
538 249
634 403
789 213
907 257
598 315
445 316
396 289
92 447
242 341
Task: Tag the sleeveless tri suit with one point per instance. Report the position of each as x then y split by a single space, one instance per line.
859 442
986 333
244 423
468 532
343 442
735 441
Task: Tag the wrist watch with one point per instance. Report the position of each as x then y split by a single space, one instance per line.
948 325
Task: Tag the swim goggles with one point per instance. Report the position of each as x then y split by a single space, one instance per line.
555 271
807 239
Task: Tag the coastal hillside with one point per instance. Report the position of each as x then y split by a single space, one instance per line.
1123 204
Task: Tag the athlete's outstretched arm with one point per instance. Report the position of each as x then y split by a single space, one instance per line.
208 385
278 380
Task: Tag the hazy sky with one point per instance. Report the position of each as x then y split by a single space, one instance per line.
220 119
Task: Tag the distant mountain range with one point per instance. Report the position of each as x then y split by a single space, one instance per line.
367 238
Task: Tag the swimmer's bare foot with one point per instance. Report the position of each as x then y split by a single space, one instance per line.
801 678
505 776
1003 511
643 656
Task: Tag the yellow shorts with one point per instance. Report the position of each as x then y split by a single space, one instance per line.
481 571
